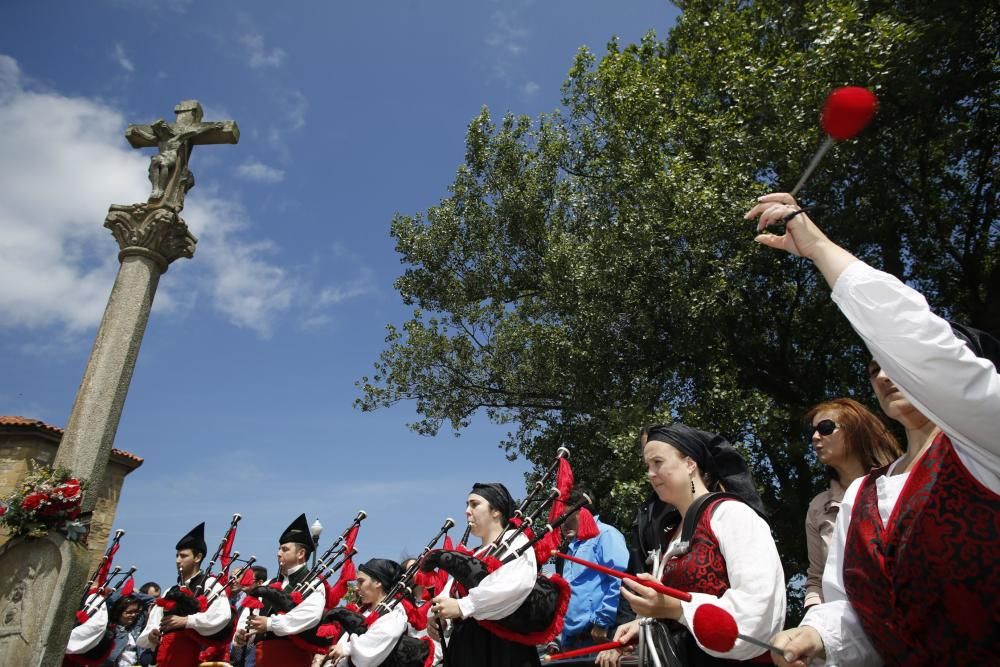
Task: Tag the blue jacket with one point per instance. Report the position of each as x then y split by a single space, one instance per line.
595 595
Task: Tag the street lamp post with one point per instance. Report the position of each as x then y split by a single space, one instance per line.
315 530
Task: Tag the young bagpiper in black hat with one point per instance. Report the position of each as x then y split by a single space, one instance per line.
177 625
285 640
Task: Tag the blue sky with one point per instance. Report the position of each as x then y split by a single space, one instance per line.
350 112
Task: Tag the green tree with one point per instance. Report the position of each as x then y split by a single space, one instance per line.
590 269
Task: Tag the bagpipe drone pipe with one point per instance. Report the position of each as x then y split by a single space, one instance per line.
408 651
98 654
540 616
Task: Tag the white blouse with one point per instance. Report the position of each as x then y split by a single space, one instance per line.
756 595
502 591
945 381
88 634
374 646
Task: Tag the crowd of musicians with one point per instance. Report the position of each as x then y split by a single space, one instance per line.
902 546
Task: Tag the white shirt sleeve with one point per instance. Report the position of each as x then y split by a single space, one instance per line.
305 615
375 645
214 618
937 372
835 620
502 591
152 623
88 634
756 595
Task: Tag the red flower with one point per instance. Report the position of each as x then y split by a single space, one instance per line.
33 500
3 510
71 489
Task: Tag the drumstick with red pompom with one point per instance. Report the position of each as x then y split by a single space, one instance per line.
655 585
716 629
847 111
586 650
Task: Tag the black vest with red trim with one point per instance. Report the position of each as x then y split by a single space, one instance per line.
703 570
927 589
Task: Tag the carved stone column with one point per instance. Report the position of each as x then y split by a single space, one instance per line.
150 236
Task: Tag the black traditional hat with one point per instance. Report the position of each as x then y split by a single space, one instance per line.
194 540
298 532
497 495
715 456
383 570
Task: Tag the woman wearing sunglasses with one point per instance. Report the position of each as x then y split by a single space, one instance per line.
849 441
911 578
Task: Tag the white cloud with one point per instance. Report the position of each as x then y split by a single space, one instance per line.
259 56
246 288
530 88
63 161
122 59
506 42
254 170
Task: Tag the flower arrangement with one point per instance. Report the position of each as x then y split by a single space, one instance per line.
47 499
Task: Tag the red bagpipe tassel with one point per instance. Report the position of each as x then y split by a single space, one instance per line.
250 602
586 525
82 616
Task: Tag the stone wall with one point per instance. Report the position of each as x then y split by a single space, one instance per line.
23 440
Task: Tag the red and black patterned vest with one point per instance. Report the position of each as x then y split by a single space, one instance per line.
703 570
927 589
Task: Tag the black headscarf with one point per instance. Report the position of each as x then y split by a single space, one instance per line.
714 456
980 342
497 495
382 570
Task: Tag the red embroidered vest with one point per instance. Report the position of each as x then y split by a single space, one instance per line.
927 589
703 570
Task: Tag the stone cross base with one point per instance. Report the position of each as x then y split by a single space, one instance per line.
32 570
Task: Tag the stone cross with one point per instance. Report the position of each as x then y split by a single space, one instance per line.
150 236
168 172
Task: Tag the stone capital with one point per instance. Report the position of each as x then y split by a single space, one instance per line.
154 232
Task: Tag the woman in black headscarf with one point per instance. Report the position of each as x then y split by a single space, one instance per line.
374 646
497 596
731 561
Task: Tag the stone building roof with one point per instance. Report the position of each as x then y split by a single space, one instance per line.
127 458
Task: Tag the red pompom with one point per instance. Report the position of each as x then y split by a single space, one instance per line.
168 605
331 630
252 603
847 111
296 597
82 616
715 628
276 585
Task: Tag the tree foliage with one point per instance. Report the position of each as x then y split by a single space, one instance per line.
590 270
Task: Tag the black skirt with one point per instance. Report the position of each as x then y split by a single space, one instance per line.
472 646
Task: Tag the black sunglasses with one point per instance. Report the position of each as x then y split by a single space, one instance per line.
825 427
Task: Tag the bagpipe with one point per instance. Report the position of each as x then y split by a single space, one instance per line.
100 588
274 598
182 600
540 616
409 651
